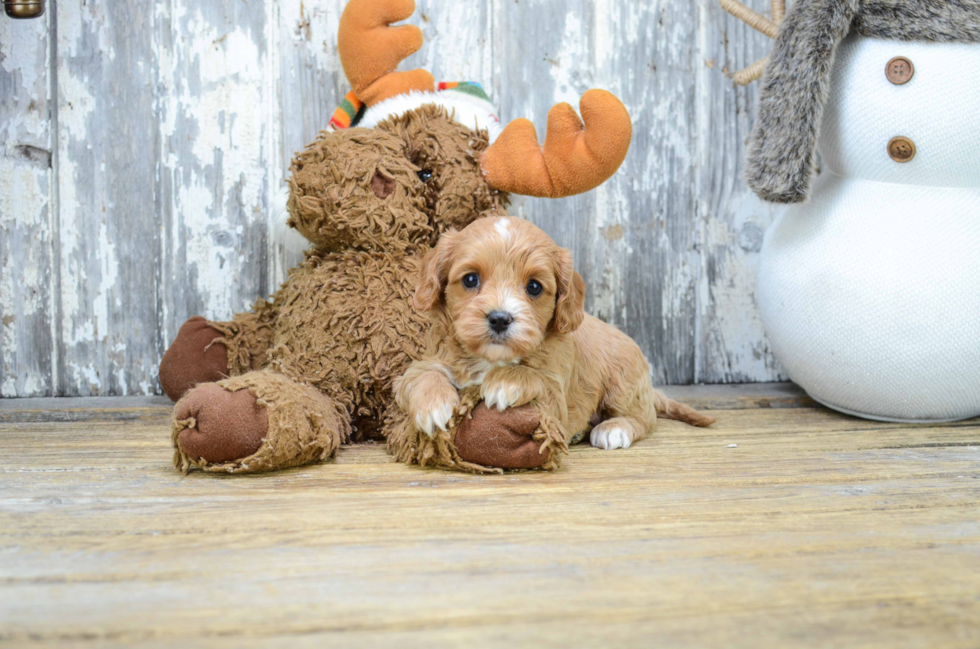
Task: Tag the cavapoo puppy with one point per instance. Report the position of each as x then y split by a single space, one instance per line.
507 315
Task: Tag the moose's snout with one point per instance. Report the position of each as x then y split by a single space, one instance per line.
499 321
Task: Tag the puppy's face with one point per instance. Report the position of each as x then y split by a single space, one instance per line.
504 286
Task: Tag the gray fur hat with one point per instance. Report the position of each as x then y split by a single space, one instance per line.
794 88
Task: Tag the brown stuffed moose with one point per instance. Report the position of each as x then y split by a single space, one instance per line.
312 367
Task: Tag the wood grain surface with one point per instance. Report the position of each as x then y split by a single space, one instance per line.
780 526
142 141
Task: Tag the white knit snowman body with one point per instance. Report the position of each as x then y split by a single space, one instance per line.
870 291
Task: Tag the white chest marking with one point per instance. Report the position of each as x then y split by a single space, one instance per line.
476 372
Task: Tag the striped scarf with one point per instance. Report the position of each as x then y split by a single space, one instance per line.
351 109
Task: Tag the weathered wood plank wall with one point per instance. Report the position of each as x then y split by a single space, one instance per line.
28 239
141 142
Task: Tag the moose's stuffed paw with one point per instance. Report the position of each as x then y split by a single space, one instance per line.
193 358
219 425
502 439
253 422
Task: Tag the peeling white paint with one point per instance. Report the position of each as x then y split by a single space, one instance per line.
311 27
86 375
24 209
566 69
110 272
735 320
605 32
221 116
76 107
456 42
76 19
76 104
19 189
733 345
610 237
18 50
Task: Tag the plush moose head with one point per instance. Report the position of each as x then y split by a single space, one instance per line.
434 160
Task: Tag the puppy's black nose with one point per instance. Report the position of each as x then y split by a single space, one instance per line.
499 321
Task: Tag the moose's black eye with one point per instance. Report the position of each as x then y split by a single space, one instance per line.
471 280
425 175
534 288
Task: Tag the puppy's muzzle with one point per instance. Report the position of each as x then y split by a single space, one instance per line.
499 322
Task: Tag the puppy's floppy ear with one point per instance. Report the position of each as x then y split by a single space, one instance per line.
570 308
433 278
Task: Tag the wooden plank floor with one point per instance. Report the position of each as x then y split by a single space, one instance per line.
784 525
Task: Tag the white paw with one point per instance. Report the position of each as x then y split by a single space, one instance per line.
502 396
609 438
437 417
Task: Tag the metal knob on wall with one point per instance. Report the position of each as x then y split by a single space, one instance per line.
23 8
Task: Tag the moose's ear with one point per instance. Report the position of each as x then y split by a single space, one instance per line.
434 275
570 308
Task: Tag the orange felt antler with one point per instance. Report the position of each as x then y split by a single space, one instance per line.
574 159
759 23
370 49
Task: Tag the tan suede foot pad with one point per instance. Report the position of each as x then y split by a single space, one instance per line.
501 439
222 426
193 358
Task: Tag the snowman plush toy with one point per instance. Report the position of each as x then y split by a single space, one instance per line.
869 284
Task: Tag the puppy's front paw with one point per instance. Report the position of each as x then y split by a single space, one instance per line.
435 410
501 395
610 437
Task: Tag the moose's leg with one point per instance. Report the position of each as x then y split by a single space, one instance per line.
259 421
479 439
207 351
525 437
195 356
503 440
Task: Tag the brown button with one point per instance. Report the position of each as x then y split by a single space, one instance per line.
899 70
901 149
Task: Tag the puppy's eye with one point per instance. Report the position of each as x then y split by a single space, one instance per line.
534 288
471 281
425 175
